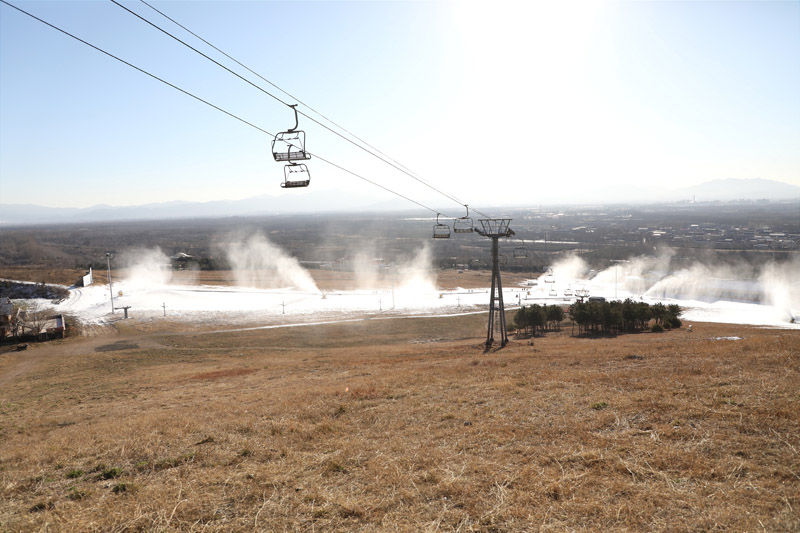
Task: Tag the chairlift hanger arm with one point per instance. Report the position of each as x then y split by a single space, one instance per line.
296 122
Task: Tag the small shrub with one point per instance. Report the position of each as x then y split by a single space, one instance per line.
553 492
121 488
75 473
599 405
245 453
41 506
111 473
350 512
173 462
656 328
333 467
76 494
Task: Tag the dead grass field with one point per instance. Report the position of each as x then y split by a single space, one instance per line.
62 276
402 425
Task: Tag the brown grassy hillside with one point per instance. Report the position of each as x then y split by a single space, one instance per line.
402 424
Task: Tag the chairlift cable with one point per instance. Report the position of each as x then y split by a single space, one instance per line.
396 166
218 108
273 84
109 54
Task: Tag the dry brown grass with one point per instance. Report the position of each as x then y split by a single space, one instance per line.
402 424
63 276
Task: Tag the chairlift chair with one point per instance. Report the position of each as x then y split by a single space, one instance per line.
295 175
520 252
290 145
440 231
463 224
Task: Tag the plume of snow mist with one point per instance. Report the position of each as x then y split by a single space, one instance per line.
257 262
146 268
708 283
780 284
569 267
416 276
636 275
365 270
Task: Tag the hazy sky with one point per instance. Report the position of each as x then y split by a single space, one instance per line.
490 101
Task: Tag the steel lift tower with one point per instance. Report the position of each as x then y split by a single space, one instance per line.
494 228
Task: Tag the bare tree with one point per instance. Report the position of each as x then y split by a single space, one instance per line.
34 320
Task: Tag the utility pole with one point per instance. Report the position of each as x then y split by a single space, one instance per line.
494 228
110 287
164 306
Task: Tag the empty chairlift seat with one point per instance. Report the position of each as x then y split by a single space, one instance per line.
295 175
463 224
290 146
440 231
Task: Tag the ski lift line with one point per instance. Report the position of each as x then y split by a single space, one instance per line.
395 166
143 71
403 168
284 91
432 210
218 108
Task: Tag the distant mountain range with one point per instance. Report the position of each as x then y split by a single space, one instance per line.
723 190
308 202
336 201
738 189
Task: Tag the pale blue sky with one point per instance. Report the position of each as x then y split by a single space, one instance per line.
479 98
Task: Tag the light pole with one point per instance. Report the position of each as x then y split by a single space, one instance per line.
110 287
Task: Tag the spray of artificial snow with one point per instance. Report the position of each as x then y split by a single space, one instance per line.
416 276
656 277
146 268
257 262
366 269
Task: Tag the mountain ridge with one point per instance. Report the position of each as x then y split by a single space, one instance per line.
731 189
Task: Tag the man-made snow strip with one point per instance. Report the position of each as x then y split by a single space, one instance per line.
235 304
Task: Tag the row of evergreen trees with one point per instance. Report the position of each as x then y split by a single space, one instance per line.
599 317
604 318
536 319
